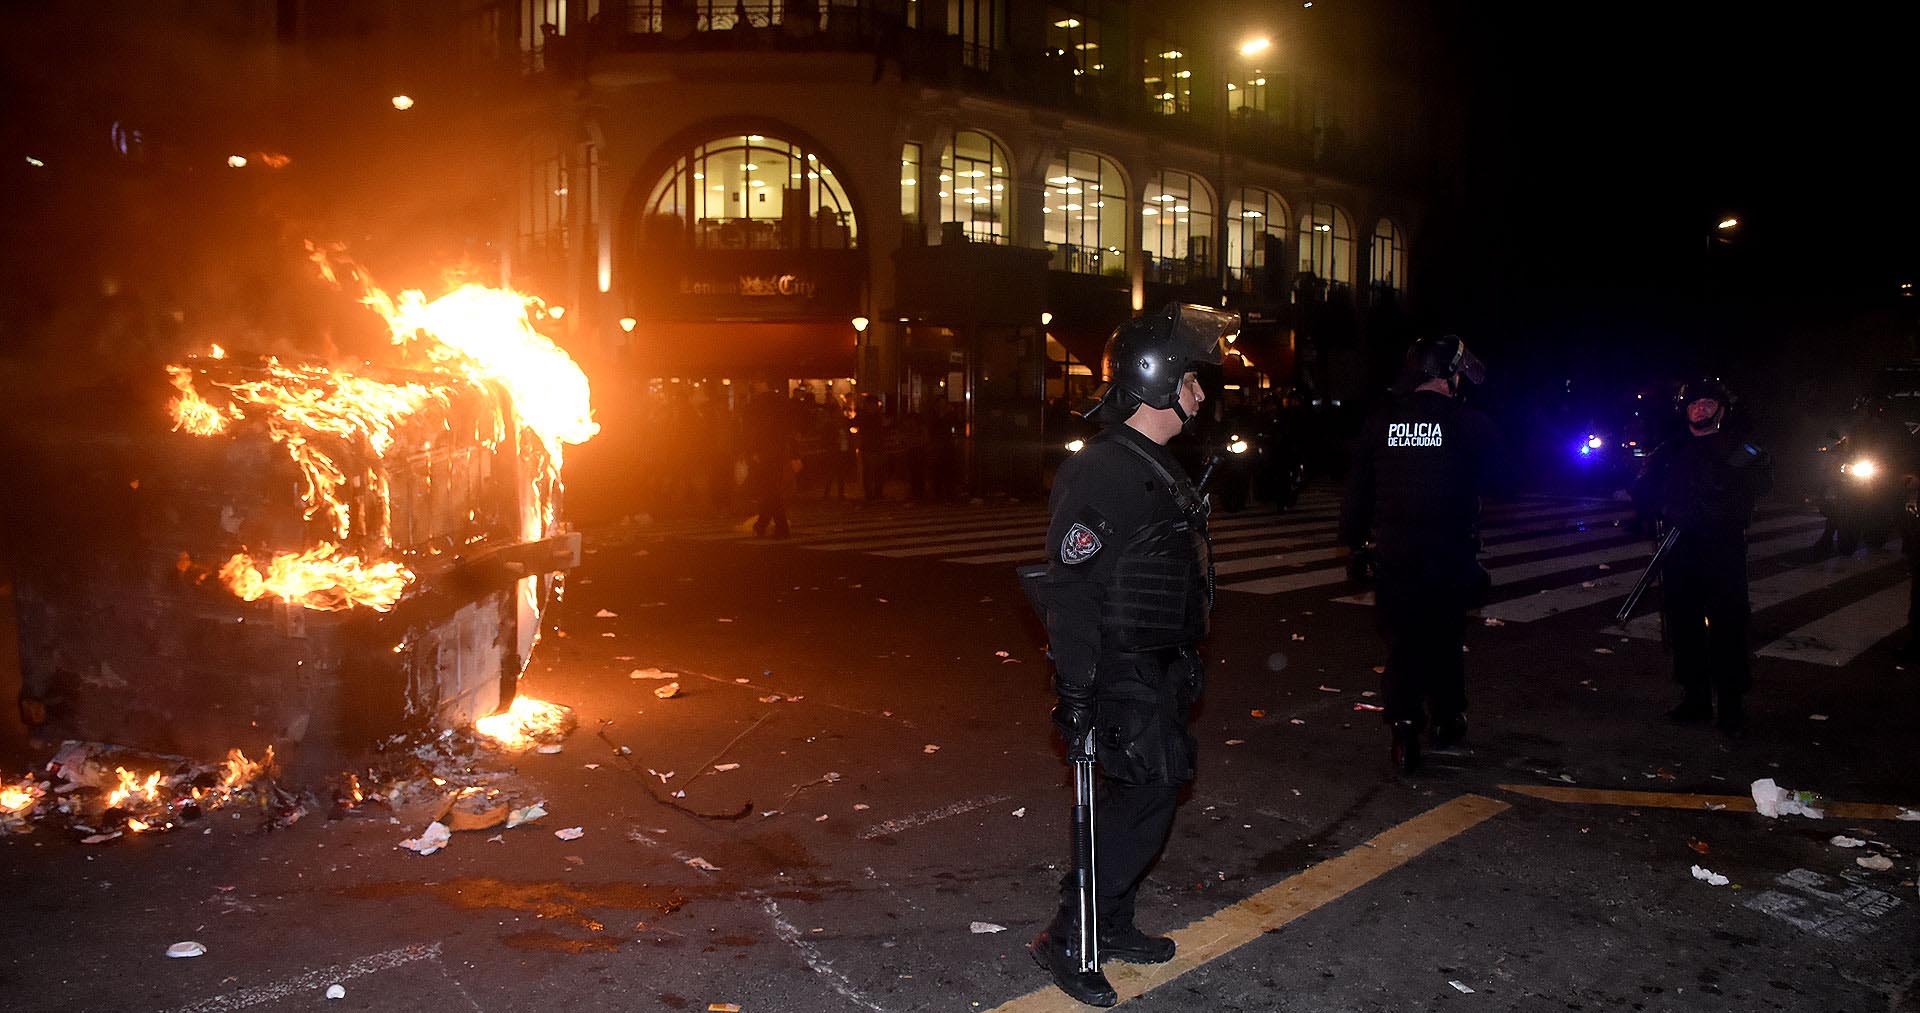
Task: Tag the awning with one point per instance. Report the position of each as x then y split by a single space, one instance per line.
787 349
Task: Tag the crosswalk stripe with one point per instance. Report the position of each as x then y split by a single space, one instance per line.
1767 592
1552 541
1842 635
1033 533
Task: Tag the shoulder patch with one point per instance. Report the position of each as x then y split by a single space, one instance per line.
1079 544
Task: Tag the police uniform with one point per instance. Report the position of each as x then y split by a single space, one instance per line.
1705 486
1126 595
1419 472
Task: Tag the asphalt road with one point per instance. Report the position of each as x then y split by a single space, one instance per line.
884 695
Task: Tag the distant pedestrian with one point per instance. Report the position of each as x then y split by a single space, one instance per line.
1413 502
1703 484
769 436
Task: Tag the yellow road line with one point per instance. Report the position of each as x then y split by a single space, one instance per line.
1220 933
1678 800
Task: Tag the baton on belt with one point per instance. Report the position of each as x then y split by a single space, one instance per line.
1646 578
1083 854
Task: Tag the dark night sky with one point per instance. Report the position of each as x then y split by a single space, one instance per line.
1605 141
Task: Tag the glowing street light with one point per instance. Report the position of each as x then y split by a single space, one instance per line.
1729 222
403 102
556 312
237 161
1254 47
860 324
627 324
1046 317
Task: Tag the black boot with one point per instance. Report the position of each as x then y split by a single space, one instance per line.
1129 945
1406 746
1448 732
1057 952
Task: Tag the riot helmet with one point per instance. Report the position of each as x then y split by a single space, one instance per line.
1441 358
1704 388
1147 357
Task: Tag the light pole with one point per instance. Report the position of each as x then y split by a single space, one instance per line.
1248 48
861 374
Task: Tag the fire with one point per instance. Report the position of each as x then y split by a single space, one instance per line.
134 791
16 799
240 772
525 723
192 412
318 579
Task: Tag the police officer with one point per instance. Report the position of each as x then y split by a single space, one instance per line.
1413 502
1126 595
1704 483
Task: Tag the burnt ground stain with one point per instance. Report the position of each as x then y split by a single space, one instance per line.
553 942
671 1001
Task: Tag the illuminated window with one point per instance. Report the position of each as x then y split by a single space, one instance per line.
976 189
1387 258
1176 228
750 192
1256 239
1249 90
1167 76
910 187
1326 244
543 236
1074 37
977 25
544 22
1084 214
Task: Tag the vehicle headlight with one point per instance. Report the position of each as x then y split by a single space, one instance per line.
1073 446
1237 447
1595 442
1861 468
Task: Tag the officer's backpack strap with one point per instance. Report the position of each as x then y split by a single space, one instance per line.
1184 494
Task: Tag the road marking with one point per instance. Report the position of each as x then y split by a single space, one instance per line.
1840 636
931 816
314 981
1785 586
790 934
1300 894
1683 800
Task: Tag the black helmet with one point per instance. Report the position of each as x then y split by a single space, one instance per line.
1147 356
1705 387
1440 358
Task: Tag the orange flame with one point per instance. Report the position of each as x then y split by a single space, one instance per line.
132 789
17 799
192 412
240 771
318 579
523 724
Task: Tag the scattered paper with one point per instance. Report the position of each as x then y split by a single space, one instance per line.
188 948
1295 721
667 692
1257 713
1368 707
929 749
651 673
571 833
1000 654
1328 689
822 818
497 839
548 748
604 614
1586 583
1236 742
1709 877
593 766
1604 566
1368 693
1462 989
1299 636
861 807
1022 811
1908 814
104 838
525 815
336 991
726 766
1491 621
1878 863
1816 717
1843 841
982 928
431 840
723 1007
1773 801
1603 650
702 864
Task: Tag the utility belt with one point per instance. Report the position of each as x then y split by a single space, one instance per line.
1162 655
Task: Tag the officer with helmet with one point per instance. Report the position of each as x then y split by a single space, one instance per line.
1413 503
1126 598
1703 483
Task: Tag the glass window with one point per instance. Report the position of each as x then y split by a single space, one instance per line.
1074 37
1326 244
1387 259
910 186
975 189
750 192
1248 93
1084 214
1256 239
976 23
1176 228
542 236
1167 76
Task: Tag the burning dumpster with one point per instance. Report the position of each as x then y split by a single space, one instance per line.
252 553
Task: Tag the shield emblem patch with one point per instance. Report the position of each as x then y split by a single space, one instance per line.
1079 544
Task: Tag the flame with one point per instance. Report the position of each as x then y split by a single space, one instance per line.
132 789
523 724
192 412
240 771
318 579
17 799
136 825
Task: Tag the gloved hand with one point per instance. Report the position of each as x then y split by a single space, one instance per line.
1073 720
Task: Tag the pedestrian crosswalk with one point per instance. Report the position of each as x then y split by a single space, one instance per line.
1547 556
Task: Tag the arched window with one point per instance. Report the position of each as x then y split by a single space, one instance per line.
749 192
975 188
1387 258
1326 244
1176 228
1256 239
1085 214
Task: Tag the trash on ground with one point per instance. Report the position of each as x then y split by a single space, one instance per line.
929 749
1603 566
1908 814
1328 689
526 814
1257 713
571 833
100 838
726 766
982 928
1022 811
652 673
593 766
1603 650
861 807
1295 721
1491 621
1816 717
1586 583
1709 877
188 948
1299 636
1700 846
1236 742
1878 863
723 1007
702 864
1379 669
1843 841
1461 988
1368 707
604 614
667 692
431 840
336 991
822 818
548 748
1002 654
1773 801
1368 693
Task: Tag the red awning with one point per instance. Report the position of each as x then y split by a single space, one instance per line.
801 348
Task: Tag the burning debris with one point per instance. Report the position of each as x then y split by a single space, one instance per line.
318 554
91 789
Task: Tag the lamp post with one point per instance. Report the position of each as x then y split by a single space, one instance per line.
860 371
1248 48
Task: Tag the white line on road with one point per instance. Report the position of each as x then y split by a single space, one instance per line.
1781 587
790 934
1840 636
930 816
314 981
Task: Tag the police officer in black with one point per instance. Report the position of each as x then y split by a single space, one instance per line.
1413 504
1127 594
1704 483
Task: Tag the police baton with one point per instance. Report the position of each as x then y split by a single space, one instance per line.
1083 854
1646 578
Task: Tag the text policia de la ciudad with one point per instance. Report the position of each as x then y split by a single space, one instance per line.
1414 434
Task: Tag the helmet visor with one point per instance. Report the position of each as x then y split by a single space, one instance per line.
1470 365
1200 331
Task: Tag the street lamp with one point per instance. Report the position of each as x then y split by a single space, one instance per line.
627 324
1046 317
1254 47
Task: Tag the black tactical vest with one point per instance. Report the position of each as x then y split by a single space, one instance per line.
1162 589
